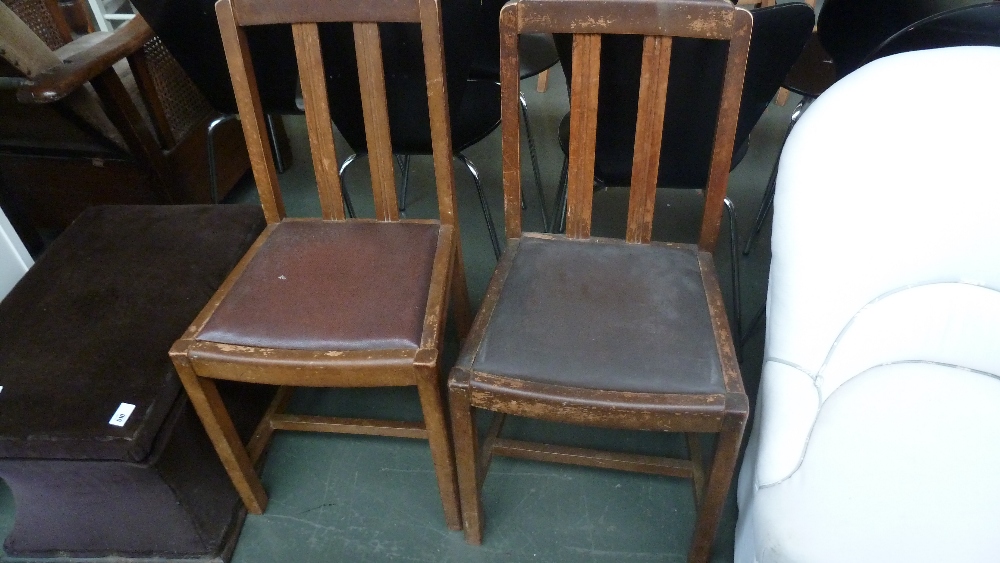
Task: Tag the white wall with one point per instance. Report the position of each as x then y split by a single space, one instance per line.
14 258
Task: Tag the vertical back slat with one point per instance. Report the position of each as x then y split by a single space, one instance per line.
648 137
248 101
372 77
583 133
318 124
437 105
725 131
510 119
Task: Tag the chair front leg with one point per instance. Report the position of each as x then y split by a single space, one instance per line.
215 418
435 420
721 476
467 462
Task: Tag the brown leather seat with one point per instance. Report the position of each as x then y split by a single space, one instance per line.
331 286
607 315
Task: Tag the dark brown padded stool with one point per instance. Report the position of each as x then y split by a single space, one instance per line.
98 444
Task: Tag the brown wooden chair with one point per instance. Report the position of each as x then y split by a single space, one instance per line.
333 302
84 127
627 333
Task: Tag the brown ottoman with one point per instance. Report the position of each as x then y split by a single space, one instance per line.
103 454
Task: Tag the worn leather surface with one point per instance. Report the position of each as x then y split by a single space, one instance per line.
607 315
89 326
324 285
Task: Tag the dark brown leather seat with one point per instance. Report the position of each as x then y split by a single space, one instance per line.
331 286
608 315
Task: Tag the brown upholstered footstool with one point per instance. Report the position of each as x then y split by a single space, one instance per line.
98 444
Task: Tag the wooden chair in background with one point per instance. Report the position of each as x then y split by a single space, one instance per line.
627 333
333 302
81 127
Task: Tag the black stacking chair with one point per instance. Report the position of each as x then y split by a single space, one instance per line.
537 54
474 105
190 31
779 33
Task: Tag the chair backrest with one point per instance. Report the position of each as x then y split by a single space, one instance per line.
697 68
190 31
962 26
303 16
851 31
658 22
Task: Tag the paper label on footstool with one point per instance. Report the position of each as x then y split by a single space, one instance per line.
121 415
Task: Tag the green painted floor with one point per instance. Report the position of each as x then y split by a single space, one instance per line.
355 499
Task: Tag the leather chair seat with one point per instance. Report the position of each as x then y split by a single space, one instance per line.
654 334
380 274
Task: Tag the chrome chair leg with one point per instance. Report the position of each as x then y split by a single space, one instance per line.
213 178
404 167
768 201
343 185
534 163
734 257
482 201
559 212
279 159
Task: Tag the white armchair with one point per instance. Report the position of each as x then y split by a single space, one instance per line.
877 431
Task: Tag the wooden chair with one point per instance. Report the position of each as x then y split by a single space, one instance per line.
82 127
333 302
627 333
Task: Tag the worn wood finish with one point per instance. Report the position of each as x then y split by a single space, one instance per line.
614 409
711 19
418 367
586 457
125 116
726 451
583 134
234 42
261 437
61 80
720 322
725 131
697 466
723 412
510 119
337 425
319 124
220 429
262 12
648 136
437 105
466 461
373 102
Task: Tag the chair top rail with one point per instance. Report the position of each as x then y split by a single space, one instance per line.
261 12
705 19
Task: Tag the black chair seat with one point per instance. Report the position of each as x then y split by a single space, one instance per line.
537 52
375 278
655 333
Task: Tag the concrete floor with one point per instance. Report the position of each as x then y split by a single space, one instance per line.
346 498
